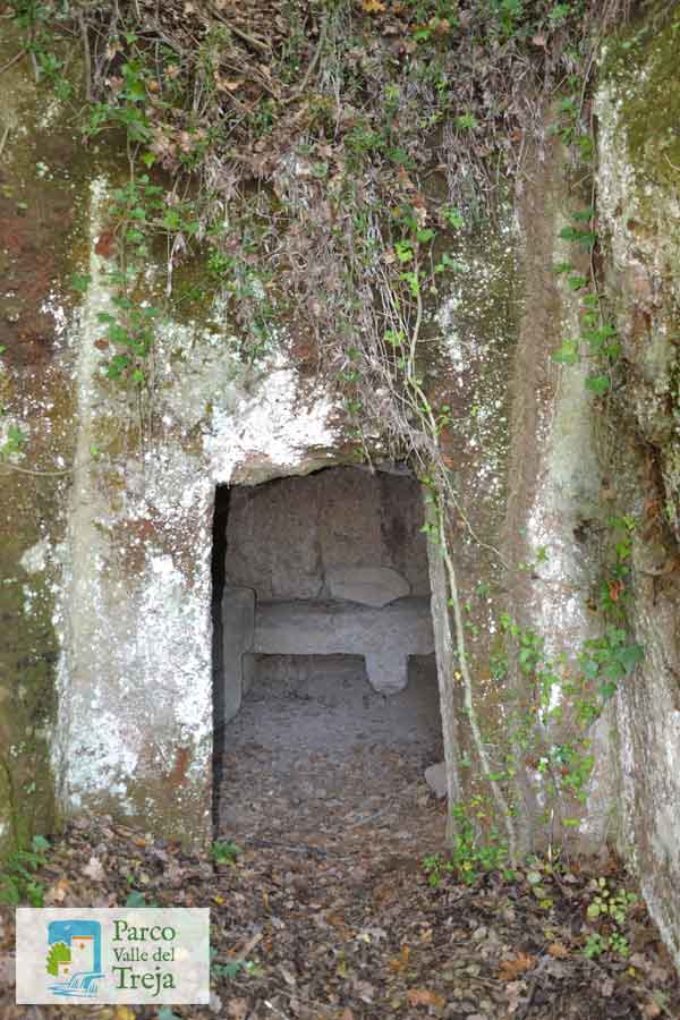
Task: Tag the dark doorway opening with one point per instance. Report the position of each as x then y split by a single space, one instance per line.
218 568
326 706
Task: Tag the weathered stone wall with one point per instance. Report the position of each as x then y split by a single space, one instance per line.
639 172
286 539
553 479
135 698
106 698
41 206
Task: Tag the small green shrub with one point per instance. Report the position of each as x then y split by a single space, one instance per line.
475 851
18 883
610 905
225 852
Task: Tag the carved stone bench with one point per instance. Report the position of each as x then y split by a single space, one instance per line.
386 637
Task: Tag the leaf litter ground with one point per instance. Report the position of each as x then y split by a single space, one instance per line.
325 912
351 929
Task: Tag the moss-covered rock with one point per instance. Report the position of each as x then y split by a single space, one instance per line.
40 204
638 108
643 63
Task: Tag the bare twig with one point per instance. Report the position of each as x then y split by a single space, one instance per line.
15 59
87 57
247 949
250 40
311 67
275 1009
3 140
7 468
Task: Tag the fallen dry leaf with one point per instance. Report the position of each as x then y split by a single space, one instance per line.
94 869
399 963
607 988
509 970
7 965
227 84
424 997
372 6
365 990
105 245
513 992
558 951
57 892
237 1009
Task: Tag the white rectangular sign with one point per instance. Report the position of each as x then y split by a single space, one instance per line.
123 954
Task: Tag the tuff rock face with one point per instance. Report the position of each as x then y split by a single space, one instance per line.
107 695
639 206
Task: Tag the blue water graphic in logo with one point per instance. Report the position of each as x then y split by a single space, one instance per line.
74 957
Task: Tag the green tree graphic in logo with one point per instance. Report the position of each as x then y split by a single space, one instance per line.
59 953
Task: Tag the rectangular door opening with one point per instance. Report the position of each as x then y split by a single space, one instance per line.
326 704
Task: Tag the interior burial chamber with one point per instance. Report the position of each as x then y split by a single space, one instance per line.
326 700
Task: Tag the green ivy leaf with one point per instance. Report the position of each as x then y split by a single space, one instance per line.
630 656
567 354
598 384
452 217
466 122
586 238
80 282
404 251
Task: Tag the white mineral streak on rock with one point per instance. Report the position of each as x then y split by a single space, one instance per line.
34 560
566 496
87 753
272 422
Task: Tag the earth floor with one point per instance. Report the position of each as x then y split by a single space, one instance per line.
317 759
